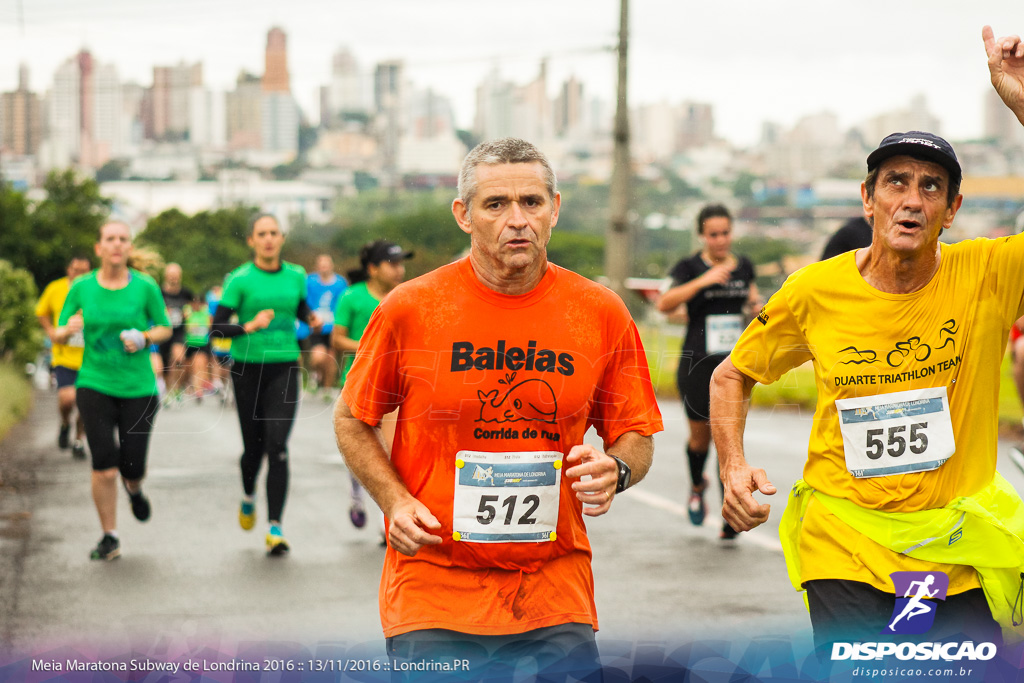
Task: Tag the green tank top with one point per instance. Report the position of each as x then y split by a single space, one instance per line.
249 290
197 327
106 366
353 313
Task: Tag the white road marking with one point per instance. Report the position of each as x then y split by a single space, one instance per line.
758 538
1018 458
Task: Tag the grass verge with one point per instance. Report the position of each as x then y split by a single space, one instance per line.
15 399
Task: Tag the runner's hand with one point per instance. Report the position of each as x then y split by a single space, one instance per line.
406 532
261 320
1006 67
315 322
739 508
604 476
75 324
718 275
133 340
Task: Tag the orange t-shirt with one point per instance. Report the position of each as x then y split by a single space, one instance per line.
478 371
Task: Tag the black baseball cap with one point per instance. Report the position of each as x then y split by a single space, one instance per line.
382 250
919 145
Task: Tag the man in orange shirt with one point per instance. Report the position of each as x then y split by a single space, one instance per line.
498 364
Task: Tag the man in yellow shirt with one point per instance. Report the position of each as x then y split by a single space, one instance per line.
67 358
906 338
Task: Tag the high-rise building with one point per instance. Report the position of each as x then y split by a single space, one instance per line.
533 111
275 75
172 88
280 131
20 118
653 135
430 115
389 98
207 118
107 117
244 113
429 144
1000 123
85 114
696 125
915 117
63 117
133 127
279 113
350 92
569 108
86 99
495 101
505 109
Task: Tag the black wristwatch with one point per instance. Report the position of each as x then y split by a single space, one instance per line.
625 474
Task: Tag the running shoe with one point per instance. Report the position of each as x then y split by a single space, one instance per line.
728 533
140 504
109 548
247 515
63 439
695 507
78 450
276 545
357 514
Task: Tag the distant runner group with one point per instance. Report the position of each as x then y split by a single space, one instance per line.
122 345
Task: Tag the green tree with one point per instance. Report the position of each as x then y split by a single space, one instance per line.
425 226
20 334
112 170
41 238
583 254
743 186
207 246
308 136
289 171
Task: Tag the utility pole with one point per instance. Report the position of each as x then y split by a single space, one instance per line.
618 242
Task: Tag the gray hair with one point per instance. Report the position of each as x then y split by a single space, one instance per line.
502 151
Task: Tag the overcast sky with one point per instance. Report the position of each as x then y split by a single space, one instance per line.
753 60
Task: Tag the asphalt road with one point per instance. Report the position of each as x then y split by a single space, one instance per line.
191 579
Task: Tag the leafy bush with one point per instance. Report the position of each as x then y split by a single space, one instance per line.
20 335
42 236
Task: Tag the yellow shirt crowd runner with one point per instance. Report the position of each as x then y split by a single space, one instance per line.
487 555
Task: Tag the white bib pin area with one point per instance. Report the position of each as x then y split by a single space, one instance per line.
721 332
898 433
506 497
326 316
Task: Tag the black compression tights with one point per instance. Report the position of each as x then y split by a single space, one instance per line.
266 395
697 460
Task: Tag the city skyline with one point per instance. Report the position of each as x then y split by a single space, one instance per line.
752 63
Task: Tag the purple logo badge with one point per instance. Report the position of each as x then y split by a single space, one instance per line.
915 608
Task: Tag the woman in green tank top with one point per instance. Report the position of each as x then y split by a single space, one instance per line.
268 295
114 307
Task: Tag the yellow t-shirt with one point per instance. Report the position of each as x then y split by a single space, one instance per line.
951 334
66 355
